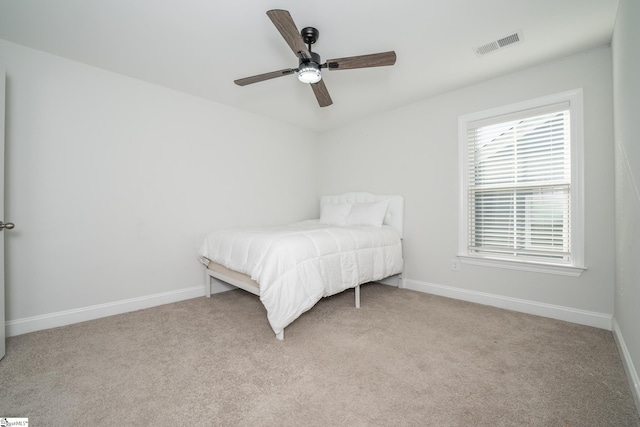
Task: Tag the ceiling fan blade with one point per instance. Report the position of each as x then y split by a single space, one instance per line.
263 77
362 61
284 23
321 93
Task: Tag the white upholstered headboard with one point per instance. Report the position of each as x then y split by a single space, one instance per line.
395 213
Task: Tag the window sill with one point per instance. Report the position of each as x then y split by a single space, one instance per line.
562 270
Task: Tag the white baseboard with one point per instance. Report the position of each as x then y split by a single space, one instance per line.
632 373
67 317
61 318
218 285
568 314
395 281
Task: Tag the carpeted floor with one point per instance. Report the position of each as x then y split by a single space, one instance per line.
404 358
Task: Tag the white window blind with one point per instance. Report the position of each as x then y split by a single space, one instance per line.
519 185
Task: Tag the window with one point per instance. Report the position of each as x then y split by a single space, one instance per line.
521 185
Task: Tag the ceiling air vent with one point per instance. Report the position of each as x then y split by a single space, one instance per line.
516 37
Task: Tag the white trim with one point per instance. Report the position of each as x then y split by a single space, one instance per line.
67 317
568 314
395 281
627 362
216 286
563 270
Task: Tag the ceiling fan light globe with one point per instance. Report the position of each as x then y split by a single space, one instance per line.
309 75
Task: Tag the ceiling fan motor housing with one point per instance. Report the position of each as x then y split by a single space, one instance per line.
315 58
309 69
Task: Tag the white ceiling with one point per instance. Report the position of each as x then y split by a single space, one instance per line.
201 46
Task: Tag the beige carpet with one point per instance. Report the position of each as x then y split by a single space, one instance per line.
404 358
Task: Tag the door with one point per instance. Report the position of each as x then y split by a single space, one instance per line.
2 322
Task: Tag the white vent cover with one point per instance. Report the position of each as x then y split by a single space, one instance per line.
515 37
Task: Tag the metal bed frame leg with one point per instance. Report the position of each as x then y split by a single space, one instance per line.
280 335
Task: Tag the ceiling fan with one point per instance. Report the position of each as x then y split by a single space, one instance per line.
309 64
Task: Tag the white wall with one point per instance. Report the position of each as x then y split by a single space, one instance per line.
626 69
413 151
112 183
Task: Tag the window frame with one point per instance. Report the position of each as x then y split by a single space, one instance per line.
576 265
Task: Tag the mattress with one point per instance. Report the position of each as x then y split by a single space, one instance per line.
295 266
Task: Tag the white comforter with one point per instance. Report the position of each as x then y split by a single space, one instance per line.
299 264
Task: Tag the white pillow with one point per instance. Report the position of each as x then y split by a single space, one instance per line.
368 213
335 214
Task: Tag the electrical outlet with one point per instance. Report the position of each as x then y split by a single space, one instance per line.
455 264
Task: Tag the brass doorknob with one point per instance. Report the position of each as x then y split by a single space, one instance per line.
8 225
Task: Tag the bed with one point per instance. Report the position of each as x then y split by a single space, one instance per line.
356 240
